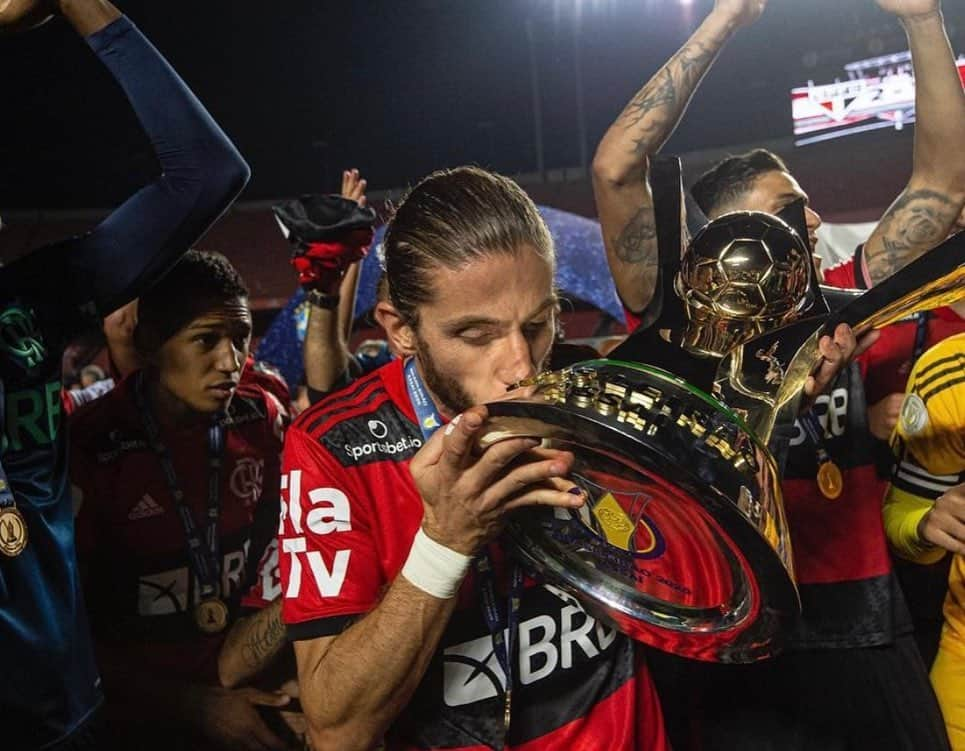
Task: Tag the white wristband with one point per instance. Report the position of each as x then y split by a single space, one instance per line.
434 568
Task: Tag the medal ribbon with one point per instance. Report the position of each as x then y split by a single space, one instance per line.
815 433
504 638
6 492
205 557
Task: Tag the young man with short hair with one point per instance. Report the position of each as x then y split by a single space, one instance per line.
176 475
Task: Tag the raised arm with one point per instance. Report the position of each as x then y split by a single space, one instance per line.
925 212
325 350
620 167
201 172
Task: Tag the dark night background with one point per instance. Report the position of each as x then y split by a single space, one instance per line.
401 88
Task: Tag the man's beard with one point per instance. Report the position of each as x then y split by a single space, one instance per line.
447 390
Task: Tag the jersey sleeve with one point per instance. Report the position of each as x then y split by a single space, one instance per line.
329 563
903 511
929 446
931 425
632 320
850 274
201 172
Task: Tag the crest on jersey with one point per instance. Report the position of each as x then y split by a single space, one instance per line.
246 479
20 339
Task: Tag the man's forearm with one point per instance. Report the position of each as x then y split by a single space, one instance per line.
620 167
251 646
88 16
353 690
925 212
347 291
324 352
939 104
653 114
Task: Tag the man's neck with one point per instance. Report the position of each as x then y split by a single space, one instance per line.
445 413
170 411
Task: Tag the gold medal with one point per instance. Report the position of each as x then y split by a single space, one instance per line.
830 480
211 615
13 532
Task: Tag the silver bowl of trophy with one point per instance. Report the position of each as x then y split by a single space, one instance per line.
682 542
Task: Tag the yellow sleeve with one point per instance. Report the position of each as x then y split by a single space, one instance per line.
931 426
929 447
903 512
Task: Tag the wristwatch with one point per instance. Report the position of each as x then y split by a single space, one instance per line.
321 300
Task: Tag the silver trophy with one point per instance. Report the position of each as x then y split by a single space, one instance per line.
683 542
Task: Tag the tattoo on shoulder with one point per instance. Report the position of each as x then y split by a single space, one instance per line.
916 222
637 242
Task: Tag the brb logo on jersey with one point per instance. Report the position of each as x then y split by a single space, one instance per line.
177 590
246 480
549 642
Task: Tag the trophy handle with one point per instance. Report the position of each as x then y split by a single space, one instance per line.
755 379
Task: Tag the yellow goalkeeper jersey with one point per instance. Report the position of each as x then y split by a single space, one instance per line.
929 445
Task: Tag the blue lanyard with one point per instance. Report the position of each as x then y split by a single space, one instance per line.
425 409
205 560
6 492
504 642
815 433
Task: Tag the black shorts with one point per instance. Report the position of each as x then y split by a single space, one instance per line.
859 699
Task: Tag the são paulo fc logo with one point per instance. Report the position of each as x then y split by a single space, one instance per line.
246 479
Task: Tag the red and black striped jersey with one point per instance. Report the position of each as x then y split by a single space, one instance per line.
350 512
131 540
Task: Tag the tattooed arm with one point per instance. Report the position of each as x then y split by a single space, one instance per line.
620 167
251 646
926 210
